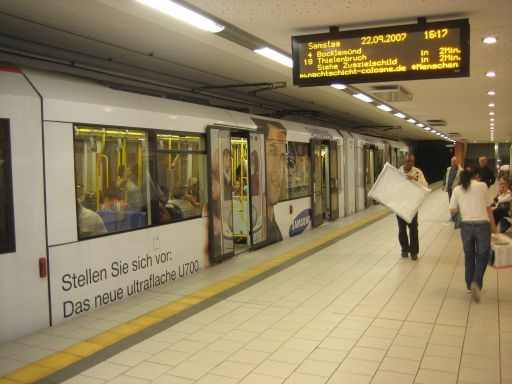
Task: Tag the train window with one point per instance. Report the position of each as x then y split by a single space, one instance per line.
7 243
298 170
181 167
112 180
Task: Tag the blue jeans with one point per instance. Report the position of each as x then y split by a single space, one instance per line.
476 242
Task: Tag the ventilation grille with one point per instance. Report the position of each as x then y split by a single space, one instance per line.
390 93
437 123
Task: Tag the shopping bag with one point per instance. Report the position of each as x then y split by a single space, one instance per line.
501 251
395 191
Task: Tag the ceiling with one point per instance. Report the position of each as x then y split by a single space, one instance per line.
134 47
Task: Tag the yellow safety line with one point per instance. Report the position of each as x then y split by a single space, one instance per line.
59 360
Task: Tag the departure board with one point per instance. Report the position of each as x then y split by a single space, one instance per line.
397 53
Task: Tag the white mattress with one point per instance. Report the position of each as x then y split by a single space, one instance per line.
399 194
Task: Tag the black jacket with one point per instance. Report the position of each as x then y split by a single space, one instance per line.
486 175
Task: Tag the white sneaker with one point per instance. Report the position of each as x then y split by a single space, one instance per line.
475 291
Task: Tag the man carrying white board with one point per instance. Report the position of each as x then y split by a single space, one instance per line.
410 243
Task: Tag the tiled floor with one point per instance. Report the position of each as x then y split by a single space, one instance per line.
354 312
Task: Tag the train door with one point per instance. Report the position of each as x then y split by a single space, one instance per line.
257 189
369 158
220 200
378 162
317 201
324 199
240 192
333 180
349 174
394 157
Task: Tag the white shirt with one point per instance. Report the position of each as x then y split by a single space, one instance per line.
473 202
504 197
90 223
416 173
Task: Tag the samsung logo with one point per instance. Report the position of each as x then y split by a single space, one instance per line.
300 223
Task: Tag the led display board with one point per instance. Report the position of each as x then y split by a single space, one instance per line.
397 53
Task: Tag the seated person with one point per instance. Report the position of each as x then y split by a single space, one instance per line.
501 205
193 192
113 202
237 188
89 222
185 206
164 213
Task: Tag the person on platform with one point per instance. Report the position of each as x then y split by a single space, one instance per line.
452 179
486 174
472 201
410 244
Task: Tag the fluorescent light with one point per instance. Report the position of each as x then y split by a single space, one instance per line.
491 113
490 74
184 14
492 105
433 131
384 107
400 115
276 56
427 128
339 86
412 121
491 93
491 119
420 125
363 97
490 40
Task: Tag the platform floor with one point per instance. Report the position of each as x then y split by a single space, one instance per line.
349 310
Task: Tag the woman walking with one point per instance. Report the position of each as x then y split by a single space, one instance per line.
471 199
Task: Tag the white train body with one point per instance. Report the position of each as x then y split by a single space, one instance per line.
44 113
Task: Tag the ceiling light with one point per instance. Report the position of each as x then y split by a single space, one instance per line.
492 105
433 131
491 113
339 86
492 124
490 40
276 56
438 133
384 107
400 115
427 128
490 74
363 97
420 125
491 119
491 93
412 121
184 14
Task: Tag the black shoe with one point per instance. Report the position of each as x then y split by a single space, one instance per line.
414 256
404 254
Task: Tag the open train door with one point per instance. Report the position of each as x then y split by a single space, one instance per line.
317 202
333 181
220 203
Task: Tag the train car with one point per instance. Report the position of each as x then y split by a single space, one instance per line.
369 163
107 194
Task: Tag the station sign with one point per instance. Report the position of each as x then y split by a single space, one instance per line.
397 53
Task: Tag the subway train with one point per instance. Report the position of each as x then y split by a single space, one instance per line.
106 194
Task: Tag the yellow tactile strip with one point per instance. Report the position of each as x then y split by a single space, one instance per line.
59 360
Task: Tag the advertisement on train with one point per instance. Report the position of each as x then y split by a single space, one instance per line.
89 275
